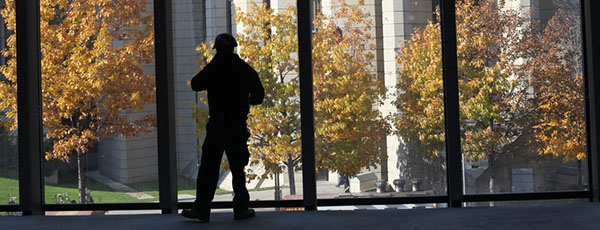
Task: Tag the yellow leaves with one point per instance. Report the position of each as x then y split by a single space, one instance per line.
87 81
268 43
206 53
420 80
513 78
561 130
559 89
72 142
349 128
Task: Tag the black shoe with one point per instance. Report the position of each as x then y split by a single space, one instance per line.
193 214
248 213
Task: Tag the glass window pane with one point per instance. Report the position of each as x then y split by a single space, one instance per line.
527 203
99 113
10 214
266 33
97 212
9 158
378 99
521 96
386 207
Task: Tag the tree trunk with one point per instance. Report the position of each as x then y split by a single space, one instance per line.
290 166
579 175
81 185
492 182
277 192
492 185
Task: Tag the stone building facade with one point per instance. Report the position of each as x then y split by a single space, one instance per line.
194 21
132 160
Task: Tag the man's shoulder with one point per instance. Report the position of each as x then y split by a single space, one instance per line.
231 63
245 65
239 59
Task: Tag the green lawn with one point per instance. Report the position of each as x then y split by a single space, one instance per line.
9 184
100 193
184 186
8 187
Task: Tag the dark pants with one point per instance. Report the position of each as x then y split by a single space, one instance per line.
231 138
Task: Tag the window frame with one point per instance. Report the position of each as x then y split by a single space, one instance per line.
30 125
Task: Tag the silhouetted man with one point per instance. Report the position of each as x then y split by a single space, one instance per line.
232 87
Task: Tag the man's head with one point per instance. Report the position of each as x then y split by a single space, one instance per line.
225 43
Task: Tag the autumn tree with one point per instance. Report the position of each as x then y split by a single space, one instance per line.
557 73
93 52
268 43
501 100
349 129
349 126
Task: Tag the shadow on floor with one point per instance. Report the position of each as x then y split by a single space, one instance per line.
578 216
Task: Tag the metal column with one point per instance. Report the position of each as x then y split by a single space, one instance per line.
591 36
29 103
165 106
306 105
451 104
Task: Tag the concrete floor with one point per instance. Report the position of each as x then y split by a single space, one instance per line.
576 216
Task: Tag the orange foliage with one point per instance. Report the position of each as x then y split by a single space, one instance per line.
516 82
93 52
350 130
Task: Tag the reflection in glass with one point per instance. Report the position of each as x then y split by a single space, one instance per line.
98 94
266 33
373 136
419 118
9 158
521 96
527 203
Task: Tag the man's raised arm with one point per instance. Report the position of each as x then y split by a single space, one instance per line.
257 92
200 81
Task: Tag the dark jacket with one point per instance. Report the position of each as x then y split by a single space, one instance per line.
232 87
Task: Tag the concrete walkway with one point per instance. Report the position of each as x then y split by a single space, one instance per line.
118 186
563 217
323 187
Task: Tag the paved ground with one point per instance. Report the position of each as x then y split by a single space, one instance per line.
323 187
577 216
95 175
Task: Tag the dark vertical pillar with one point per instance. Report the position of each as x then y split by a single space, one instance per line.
381 76
306 105
451 109
228 16
165 106
591 36
379 41
29 103
199 15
